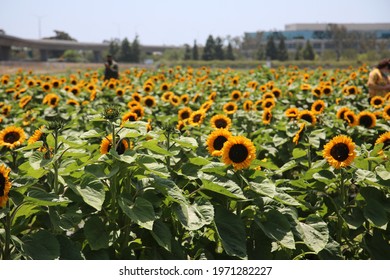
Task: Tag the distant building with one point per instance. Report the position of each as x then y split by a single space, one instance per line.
320 36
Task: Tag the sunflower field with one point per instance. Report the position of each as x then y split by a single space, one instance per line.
194 163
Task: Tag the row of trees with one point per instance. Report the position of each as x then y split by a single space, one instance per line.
125 51
213 50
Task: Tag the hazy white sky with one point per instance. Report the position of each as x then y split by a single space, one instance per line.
175 22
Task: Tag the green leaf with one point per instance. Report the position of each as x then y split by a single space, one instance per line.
140 212
41 245
194 216
162 234
96 234
376 214
324 176
97 169
31 172
91 190
362 175
266 188
26 210
42 198
186 142
231 231
37 161
153 146
222 186
201 161
277 227
298 153
314 233
287 166
69 249
286 199
382 172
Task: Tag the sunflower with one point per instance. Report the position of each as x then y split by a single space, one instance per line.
72 102
386 112
174 100
377 102
341 112
215 141
327 90
268 104
51 99
230 108
212 96
166 96
307 116
36 136
366 119
318 106
221 121
181 124
351 118
12 137
133 103
298 135
292 113
46 87
305 87
258 105
24 101
120 92
238 151
139 110
185 98
385 139
75 90
267 116
164 87
197 117
5 184
340 151
206 105
316 91
121 146
268 95
276 92
129 116
184 113
149 101
248 105
235 95
136 97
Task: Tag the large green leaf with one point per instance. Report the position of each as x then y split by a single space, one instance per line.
153 146
314 233
140 212
266 188
91 190
222 186
277 227
162 234
41 245
194 216
43 198
96 234
231 230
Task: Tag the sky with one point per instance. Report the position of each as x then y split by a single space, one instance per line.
175 22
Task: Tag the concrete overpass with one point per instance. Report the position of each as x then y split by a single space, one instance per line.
46 45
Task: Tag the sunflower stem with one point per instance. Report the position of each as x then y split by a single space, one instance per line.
55 183
342 188
309 156
7 243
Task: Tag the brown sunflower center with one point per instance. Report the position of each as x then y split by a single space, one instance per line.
53 101
318 107
339 152
386 143
11 137
121 147
307 117
149 102
378 101
218 142
238 153
197 118
366 121
230 107
185 115
221 123
2 184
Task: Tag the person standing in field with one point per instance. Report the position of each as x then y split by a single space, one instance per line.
379 80
111 68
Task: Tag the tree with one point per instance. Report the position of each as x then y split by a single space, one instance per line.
337 34
125 53
229 52
271 50
136 50
218 49
308 52
298 52
282 50
195 52
61 35
209 49
187 52
114 47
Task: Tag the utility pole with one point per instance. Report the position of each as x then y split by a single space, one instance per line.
39 26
